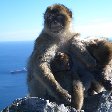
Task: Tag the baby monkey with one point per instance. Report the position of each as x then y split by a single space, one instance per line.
61 68
56 31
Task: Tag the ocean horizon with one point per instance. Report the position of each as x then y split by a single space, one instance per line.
13 56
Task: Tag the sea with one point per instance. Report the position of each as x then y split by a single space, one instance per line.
13 56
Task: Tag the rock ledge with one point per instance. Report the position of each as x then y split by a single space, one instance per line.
98 103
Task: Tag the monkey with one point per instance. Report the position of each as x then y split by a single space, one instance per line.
57 30
55 38
101 50
61 68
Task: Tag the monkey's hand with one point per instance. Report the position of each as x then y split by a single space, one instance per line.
63 96
58 92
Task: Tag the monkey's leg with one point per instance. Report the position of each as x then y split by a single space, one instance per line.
78 94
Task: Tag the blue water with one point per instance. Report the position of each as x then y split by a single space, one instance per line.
13 56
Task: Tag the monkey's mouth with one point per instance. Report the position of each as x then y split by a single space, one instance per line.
56 26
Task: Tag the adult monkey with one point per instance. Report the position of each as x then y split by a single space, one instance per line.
53 38
101 50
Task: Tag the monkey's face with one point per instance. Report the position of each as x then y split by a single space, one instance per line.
57 18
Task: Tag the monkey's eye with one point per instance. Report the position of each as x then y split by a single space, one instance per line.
60 17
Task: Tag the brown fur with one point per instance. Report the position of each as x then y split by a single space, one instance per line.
44 83
41 80
78 94
101 50
61 8
62 69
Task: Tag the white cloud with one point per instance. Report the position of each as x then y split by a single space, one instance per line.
96 29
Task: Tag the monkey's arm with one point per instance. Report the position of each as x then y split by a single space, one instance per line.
78 48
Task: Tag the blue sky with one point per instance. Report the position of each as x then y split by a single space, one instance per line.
23 19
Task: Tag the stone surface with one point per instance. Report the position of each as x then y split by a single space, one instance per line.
98 103
105 104
101 102
34 104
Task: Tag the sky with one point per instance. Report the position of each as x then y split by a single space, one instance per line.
22 20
